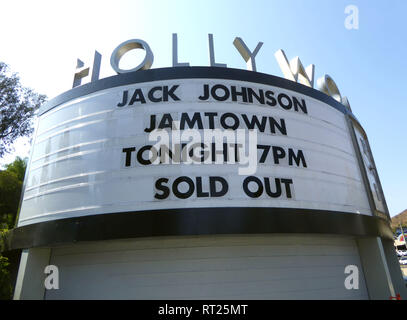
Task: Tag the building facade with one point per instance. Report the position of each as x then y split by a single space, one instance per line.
203 183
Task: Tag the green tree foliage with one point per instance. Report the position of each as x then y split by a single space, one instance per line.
11 182
17 107
5 286
18 168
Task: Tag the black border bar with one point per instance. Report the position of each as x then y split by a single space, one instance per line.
195 221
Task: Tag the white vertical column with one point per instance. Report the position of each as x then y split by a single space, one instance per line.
377 275
30 278
394 268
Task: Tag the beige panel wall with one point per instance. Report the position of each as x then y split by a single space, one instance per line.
209 267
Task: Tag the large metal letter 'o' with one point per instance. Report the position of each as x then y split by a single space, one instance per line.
126 46
328 86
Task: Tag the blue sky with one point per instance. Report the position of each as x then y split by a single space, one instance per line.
41 41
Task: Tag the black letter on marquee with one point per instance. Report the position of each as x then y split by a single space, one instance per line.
187 194
287 183
220 98
211 115
159 186
242 93
199 192
125 97
137 96
269 95
278 153
206 93
246 187
259 98
230 115
274 124
166 121
151 94
152 124
170 93
280 101
196 118
268 188
265 152
297 104
140 155
128 155
221 192
255 122
297 158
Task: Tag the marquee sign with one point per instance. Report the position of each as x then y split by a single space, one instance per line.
154 145
198 150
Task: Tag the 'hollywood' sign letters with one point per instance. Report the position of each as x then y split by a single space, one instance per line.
292 70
